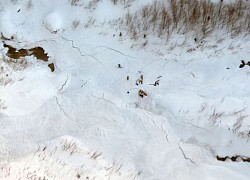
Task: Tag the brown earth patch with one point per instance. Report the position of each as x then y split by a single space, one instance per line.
15 53
52 67
38 52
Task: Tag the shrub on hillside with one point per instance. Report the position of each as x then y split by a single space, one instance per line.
181 16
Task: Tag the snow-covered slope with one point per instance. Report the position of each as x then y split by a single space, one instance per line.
85 120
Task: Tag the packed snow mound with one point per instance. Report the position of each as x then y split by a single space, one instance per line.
54 21
116 107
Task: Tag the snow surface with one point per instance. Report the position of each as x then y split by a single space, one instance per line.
81 122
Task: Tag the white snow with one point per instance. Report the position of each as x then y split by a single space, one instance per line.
90 117
54 21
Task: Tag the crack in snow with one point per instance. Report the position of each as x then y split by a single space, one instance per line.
198 127
102 98
59 105
184 155
65 82
126 55
72 44
79 50
162 130
141 122
85 82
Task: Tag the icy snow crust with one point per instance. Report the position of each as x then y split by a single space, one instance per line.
81 122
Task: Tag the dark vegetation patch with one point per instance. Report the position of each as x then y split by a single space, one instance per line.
164 18
78 175
243 64
235 158
142 93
